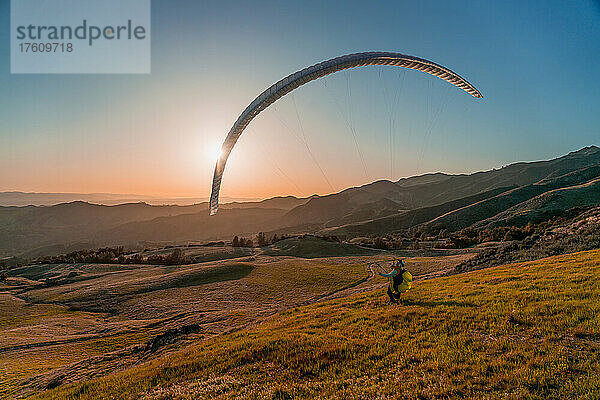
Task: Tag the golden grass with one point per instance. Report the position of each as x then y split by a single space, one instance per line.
529 330
142 296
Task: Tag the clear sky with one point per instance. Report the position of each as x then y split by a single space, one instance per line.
536 64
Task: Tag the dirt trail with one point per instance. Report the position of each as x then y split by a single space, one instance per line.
370 282
362 285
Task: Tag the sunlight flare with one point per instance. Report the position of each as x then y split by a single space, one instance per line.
213 152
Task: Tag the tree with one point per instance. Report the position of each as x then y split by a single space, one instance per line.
136 259
176 257
261 239
442 234
235 242
380 243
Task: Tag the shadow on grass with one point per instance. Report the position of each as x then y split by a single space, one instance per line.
429 304
226 272
107 301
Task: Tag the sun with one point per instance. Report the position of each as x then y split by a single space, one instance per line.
213 152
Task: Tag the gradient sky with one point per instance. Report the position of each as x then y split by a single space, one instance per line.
536 64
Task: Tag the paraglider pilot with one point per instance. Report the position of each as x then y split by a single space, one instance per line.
400 280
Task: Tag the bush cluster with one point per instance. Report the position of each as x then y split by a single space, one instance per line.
263 239
242 242
111 255
102 255
175 257
545 241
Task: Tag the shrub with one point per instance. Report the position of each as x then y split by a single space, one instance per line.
175 257
380 243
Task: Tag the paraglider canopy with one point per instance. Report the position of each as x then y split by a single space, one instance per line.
299 78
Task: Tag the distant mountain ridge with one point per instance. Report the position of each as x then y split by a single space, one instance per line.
514 194
19 199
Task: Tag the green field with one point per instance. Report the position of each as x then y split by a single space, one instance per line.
529 330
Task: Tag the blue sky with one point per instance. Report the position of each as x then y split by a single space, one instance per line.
536 64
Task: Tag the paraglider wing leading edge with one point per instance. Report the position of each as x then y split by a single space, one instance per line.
316 71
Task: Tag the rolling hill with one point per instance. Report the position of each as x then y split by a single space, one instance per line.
546 205
407 219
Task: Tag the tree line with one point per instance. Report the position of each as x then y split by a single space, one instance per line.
110 255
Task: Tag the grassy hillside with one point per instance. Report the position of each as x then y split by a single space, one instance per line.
561 235
410 218
312 247
53 318
527 330
503 206
546 205
463 217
